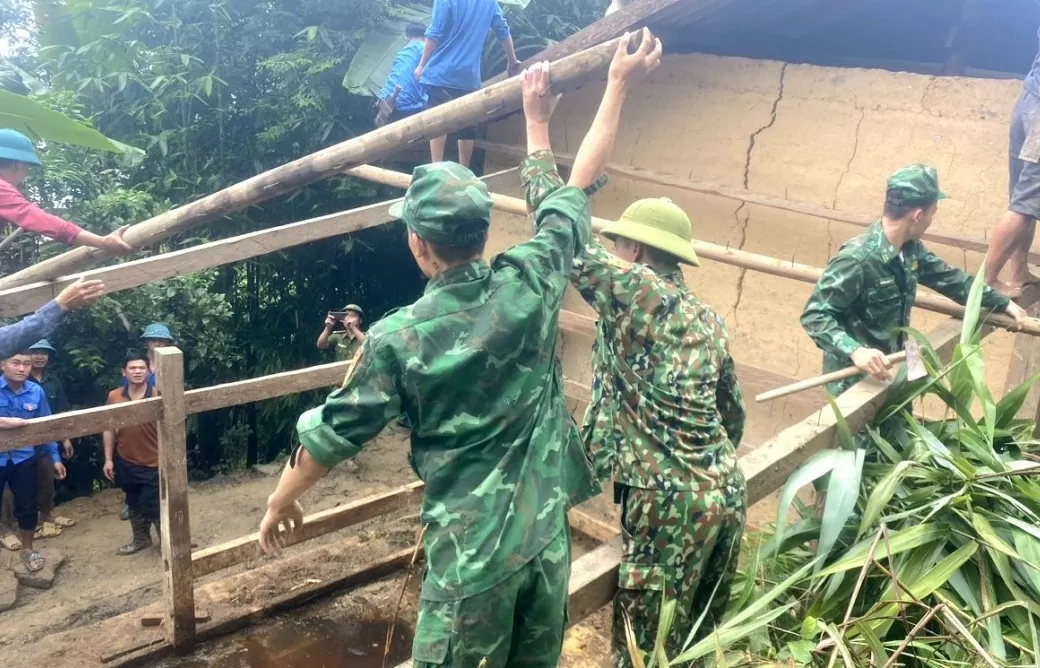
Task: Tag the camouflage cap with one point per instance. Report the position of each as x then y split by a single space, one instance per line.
916 184
446 204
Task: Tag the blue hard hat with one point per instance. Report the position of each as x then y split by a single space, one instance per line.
157 330
43 344
16 146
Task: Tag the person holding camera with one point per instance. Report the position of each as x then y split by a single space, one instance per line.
343 332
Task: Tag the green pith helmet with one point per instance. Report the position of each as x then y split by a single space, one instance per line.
43 344
16 146
659 223
157 330
356 309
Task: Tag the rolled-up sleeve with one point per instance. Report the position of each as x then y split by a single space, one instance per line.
440 22
498 23
354 414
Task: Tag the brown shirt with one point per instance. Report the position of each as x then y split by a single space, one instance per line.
138 444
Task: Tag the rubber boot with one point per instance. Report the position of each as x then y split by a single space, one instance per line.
124 514
142 535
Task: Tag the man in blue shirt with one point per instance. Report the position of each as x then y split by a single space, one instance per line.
46 318
22 399
451 60
402 95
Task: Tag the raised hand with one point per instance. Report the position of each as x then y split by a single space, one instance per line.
79 294
627 68
539 102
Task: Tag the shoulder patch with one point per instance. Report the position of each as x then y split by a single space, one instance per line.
353 365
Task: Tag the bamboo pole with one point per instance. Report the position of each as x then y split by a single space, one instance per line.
740 195
468 110
725 255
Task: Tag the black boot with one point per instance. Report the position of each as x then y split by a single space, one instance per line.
142 535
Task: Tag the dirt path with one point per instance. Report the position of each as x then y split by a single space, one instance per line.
95 584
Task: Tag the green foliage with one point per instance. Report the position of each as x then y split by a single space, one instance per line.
936 563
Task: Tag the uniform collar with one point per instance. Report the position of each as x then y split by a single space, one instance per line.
25 385
884 246
462 273
671 274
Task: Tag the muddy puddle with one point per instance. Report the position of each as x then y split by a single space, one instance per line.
305 643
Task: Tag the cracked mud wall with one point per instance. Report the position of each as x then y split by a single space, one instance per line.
828 136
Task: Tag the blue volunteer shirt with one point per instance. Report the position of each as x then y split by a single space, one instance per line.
402 73
28 402
1032 82
28 331
460 28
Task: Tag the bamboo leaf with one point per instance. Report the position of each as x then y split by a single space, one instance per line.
842 492
972 305
729 634
844 433
912 537
1009 406
819 464
989 535
881 495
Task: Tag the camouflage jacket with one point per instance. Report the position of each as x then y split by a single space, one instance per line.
472 364
867 290
345 346
666 410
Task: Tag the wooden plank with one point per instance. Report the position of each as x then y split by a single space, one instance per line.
739 194
591 527
265 387
82 423
26 298
178 583
247 548
471 109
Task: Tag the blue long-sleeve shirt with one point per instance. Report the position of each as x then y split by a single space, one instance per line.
402 73
27 331
30 401
460 27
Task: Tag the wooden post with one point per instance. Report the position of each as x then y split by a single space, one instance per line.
178 583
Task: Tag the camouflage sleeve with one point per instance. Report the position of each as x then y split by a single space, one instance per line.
563 225
541 178
836 291
954 283
729 399
354 414
602 279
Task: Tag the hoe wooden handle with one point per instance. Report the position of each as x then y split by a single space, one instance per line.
810 383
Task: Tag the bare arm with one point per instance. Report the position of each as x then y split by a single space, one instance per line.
323 338
283 506
625 70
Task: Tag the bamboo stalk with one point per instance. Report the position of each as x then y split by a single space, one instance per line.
468 110
737 258
740 195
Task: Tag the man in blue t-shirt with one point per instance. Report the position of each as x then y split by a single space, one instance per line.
1013 236
401 95
451 60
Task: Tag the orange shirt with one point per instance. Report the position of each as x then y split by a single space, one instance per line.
139 444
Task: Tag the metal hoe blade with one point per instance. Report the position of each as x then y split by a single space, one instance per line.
914 365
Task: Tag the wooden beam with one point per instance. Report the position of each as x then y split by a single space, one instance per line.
471 109
740 195
265 387
26 298
82 423
247 548
591 527
178 583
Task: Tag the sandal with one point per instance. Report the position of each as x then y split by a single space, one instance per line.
33 561
64 522
47 530
11 542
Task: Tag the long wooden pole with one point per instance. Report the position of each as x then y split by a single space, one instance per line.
740 195
730 256
465 111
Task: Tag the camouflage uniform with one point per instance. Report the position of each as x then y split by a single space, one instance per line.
472 363
867 290
665 417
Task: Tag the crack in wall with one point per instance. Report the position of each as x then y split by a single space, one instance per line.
772 120
743 270
848 165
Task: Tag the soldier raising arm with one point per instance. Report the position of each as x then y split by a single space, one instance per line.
867 290
472 364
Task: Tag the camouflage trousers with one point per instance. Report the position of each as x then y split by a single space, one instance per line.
519 622
676 545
